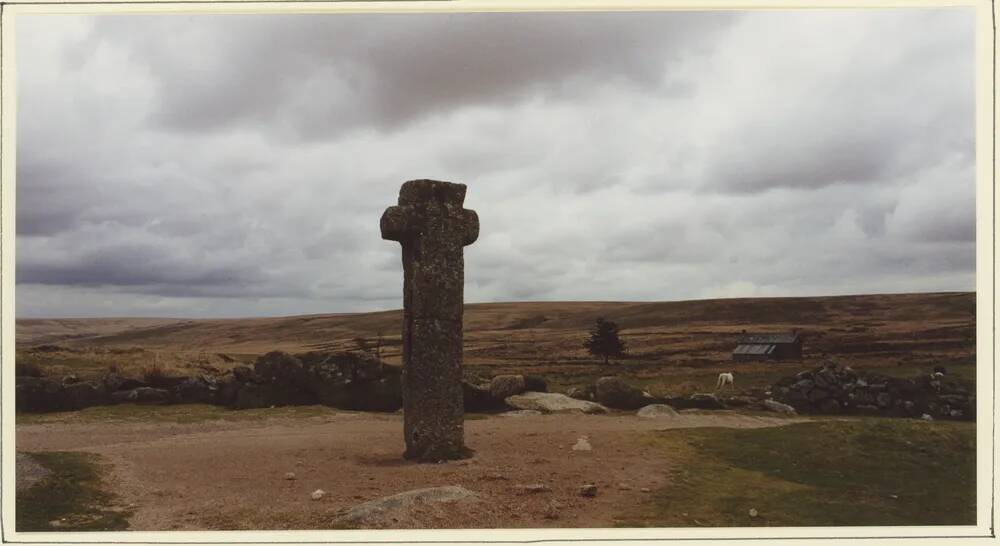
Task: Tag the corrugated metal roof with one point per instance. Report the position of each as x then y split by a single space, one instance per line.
757 339
753 349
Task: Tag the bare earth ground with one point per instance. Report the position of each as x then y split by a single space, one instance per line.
225 475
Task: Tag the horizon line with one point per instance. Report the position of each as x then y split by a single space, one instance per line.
519 302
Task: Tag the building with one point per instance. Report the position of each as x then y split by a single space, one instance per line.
768 346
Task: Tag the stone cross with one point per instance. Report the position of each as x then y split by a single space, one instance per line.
432 228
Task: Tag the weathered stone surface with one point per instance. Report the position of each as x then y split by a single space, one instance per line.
657 411
381 512
520 413
552 402
535 383
613 392
84 395
141 395
585 392
778 407
432 227
479 399
38 394
705 401
503 386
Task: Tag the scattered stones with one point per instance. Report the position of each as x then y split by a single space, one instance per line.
582 444
317 494
588 490
551 402
552 510
834 389
657 411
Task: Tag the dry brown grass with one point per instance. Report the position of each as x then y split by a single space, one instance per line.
674 347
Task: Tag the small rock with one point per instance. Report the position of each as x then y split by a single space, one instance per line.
582 444
588 490
289 475
893 497
317 494
495 476
624 487
552 510
644 489
926 417
535 488
753 512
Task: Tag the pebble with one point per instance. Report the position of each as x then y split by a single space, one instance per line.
753 512
582 444
289 475
535 488
644 489
588 490
317 494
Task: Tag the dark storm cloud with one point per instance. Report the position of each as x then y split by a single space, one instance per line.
319 76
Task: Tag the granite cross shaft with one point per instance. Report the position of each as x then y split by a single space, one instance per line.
432 227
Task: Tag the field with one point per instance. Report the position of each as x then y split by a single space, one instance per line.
672 346
205 467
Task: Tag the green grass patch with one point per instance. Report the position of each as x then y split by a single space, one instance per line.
856 472
70 498
179 413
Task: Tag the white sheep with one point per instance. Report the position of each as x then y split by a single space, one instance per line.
725 378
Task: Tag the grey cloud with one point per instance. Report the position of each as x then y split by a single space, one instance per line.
610 156
321 75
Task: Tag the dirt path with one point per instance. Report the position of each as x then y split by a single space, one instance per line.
231 475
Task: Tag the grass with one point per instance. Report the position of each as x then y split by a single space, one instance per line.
830 473
180 413
70 498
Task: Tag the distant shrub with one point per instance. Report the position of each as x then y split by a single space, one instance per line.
27 369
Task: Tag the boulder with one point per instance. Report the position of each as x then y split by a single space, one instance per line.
227 392
195 390
535 383
37 394
398 510
281 368
503 386
478 399
84 395
778 407
141 395
586 392
253 395
705 401
657 411
243 374
616 393
114 381
551 402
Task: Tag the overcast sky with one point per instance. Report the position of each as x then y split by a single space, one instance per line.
237 165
